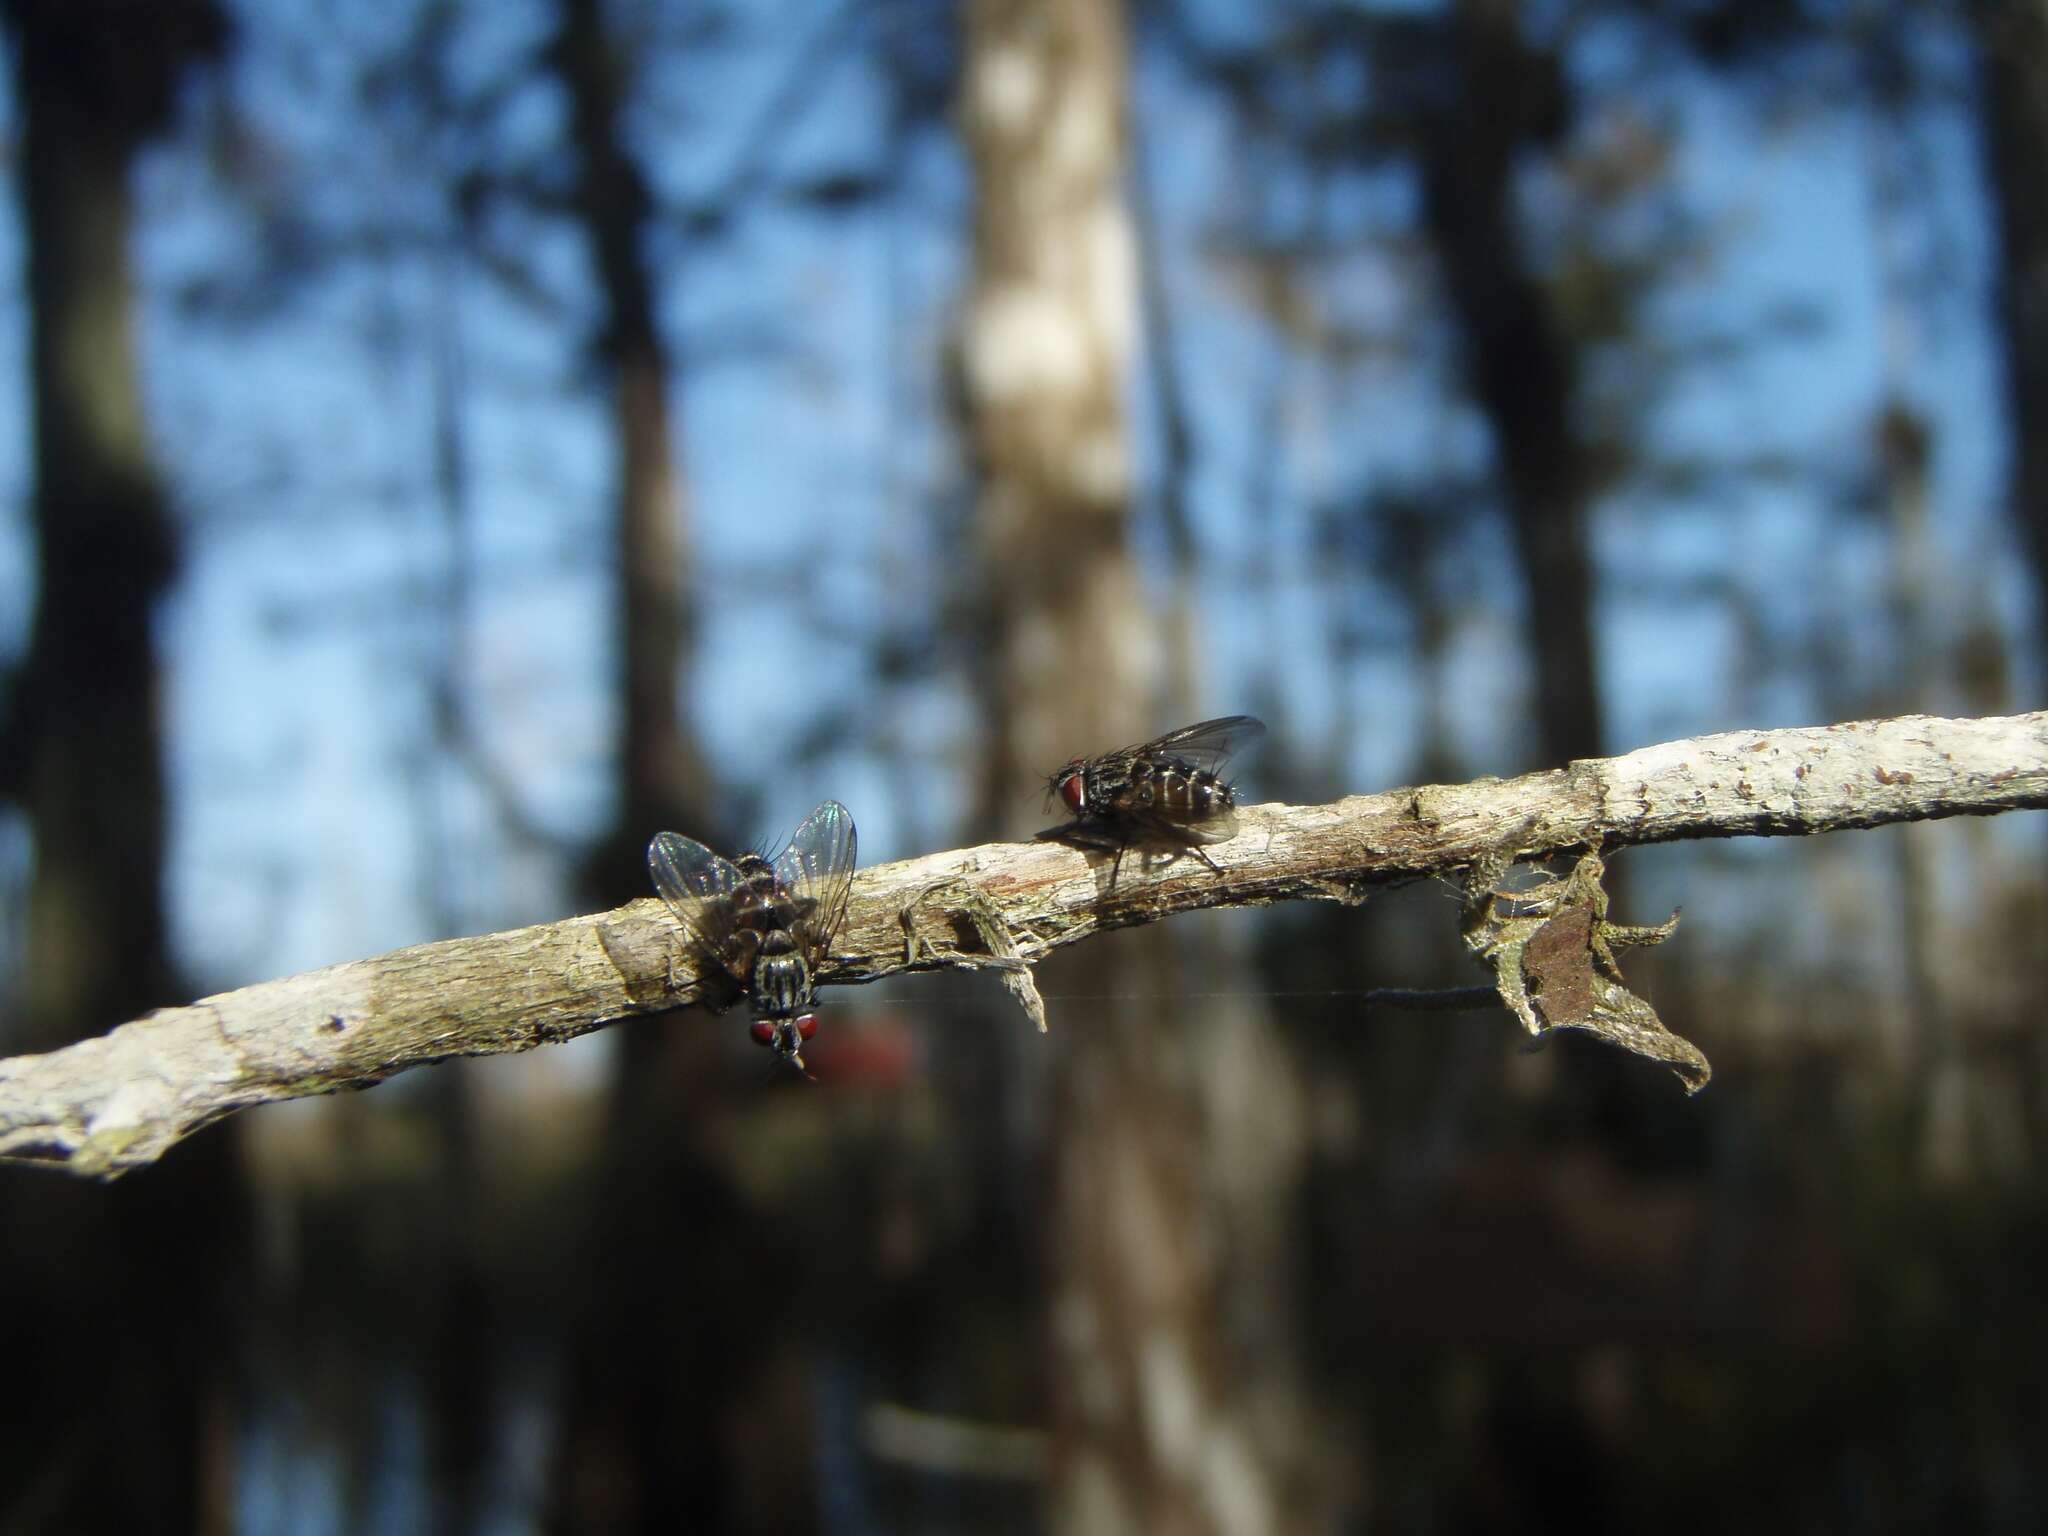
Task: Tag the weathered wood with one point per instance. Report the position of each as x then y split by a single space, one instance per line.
118 1101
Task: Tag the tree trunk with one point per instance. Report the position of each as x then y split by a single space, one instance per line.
1500 97
1142 1431
2013 64
646 1422
661 775
1046 347
118 1417
94 785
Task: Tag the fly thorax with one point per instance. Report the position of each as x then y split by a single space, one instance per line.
1141 786
759 887
752 907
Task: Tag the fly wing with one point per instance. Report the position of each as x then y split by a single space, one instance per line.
1219 826
1206 744
817 869
700 889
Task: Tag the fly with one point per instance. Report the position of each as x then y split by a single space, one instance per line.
766 921
1168 790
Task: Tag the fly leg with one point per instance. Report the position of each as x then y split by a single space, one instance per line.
1096 835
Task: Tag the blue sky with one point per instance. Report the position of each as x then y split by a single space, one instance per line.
300 443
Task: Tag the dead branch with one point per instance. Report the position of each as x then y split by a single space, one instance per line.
119 1101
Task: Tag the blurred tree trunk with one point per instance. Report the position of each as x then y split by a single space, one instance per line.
1498 97
1046 346
646 1437
662 776
1143 1427
91 727
449 1258
119 1415
2013 61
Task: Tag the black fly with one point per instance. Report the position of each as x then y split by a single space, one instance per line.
766 920
1168 790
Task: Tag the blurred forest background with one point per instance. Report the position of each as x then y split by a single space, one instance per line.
443 442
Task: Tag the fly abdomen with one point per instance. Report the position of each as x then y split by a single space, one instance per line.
782 978
1175 792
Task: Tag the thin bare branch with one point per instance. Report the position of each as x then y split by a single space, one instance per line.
119 1101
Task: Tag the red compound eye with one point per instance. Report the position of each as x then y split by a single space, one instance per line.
762 1031
1072 790
806 1025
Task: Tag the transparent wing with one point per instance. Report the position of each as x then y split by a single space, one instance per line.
1219 826
1207 743
698 887
817 869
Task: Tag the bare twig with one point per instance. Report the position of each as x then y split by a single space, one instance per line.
119 1101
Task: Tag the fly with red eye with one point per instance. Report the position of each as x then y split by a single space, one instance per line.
1167 792
762 923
